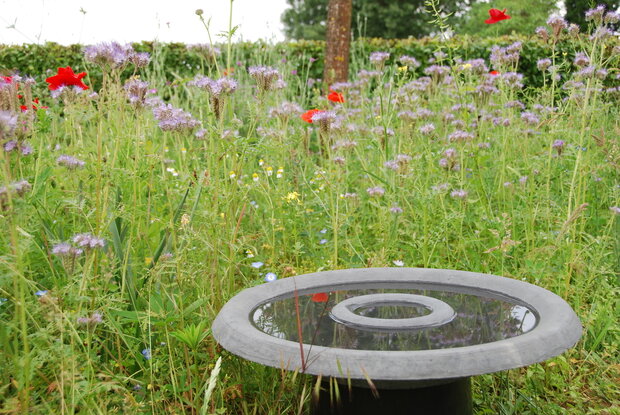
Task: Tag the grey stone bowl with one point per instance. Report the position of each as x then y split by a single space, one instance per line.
557 327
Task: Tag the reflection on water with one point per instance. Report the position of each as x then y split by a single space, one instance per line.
479 320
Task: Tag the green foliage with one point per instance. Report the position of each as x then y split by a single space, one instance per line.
305 19
185 218
173 62
192 335
526 16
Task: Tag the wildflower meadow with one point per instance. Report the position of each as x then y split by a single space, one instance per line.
132 209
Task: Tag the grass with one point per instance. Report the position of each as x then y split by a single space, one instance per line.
184 219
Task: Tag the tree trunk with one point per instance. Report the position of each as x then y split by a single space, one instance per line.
338 41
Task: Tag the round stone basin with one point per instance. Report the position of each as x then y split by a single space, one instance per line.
397 325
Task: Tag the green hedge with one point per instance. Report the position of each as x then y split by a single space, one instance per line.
173 60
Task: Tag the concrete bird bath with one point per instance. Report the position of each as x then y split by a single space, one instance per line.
418 334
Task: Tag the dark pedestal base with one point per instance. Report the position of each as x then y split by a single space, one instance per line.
453 398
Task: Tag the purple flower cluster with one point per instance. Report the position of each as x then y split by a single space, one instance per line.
366 76
543 64
266 77
376 191
88 241
344 144
18 188
69 162
205 50
512 80
8 123
459 194
324 119
476 66
286 110
460 135
65 249
558 24
437 72
136 91
581 60
378 58
542 33
18 145
596 14
449 161
399 163
216 88
174 119
601 33
409 61
558 145
530 118
427 129
94 319
113 55
502 57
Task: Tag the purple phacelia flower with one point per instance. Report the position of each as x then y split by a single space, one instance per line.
530 118
437 72
595 14
8 123
264 76
543 64
174 119
10 145
109 55
409 61
611 17
459 194
88 241
206 50
378 58
460 135
427 129
69 162
136 91
559 145
376 191
64 249
286 110
601 33
581 60
557 23
542 33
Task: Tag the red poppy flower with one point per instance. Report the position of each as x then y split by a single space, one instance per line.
34 107
66 77
320 297
7 79
228 71
307 116
497 16
335 97
494 73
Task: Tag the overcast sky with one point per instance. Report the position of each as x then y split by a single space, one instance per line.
93 21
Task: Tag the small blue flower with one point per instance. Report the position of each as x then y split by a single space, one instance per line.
41 293
137 387
323 231
257 264
146 353
323 241
270 277
3 300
